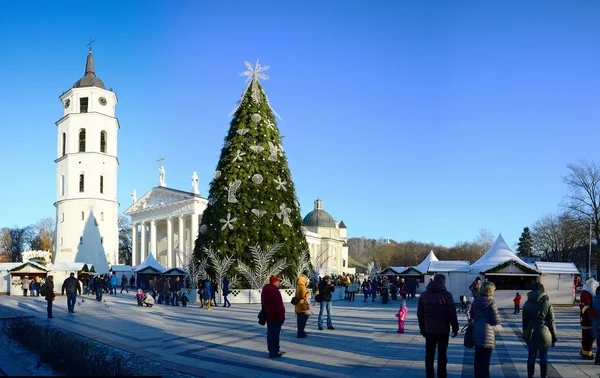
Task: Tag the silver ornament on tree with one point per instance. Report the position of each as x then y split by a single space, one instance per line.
233 187
227 222
203 229
217 174
259 213
256 117
257 179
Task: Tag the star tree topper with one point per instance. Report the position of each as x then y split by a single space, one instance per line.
253 75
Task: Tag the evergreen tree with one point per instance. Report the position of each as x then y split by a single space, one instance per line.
252 199
525 248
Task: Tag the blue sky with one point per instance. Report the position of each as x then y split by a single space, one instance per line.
410 120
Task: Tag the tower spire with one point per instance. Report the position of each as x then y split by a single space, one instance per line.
89 64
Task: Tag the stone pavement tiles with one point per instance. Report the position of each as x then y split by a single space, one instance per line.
229 342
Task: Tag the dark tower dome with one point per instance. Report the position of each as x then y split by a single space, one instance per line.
90 79
318 217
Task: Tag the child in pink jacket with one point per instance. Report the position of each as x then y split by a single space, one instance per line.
401 315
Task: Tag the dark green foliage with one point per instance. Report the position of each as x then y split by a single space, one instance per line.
511 262
525 248
248 228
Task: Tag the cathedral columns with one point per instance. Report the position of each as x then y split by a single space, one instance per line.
153 238
181 239
144 244
193 233
170 243
134 248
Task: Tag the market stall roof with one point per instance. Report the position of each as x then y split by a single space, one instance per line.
29 267
500 255
175 272
120 268
74 266
393 270
448 266
151 263
424 265
9 266
557 267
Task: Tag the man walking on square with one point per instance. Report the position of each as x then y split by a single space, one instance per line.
272 303
48 293
326 287
124 284
71 285
437 313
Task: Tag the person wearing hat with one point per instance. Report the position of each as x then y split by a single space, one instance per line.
48 292
475 288
71 285
272 304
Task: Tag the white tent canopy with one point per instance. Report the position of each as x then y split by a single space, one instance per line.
498 254
150 262
424 265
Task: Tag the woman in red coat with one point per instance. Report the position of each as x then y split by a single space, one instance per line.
272 303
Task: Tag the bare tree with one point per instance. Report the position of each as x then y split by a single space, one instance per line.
125 242
559 237
5 245
583 200
20 237
485 239
43 234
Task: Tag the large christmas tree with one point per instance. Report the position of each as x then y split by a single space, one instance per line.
252 199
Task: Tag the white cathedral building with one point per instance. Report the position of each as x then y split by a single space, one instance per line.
165 224
86 174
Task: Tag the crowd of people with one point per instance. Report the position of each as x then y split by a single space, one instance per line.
436 310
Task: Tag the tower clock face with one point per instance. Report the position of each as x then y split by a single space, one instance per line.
67 103
102 101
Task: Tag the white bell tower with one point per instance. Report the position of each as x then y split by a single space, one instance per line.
86 174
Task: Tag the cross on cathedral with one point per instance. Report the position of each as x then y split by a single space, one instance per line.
160 159
90 44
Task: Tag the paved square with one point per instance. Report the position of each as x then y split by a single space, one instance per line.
229 342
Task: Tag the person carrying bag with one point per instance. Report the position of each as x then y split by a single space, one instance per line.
539 331
302 305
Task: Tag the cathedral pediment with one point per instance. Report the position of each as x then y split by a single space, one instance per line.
158 197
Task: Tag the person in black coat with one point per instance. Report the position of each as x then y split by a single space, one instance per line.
49 294
437 313
226 292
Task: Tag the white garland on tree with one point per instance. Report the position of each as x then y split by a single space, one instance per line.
263 268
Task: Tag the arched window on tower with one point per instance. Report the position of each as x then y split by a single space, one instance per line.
82 140
81 183
103 142
64 144
101 184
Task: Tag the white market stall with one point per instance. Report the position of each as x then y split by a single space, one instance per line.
61 272
456 273
423 268
120 270
29 269
150 268
507 271
5 281
559 281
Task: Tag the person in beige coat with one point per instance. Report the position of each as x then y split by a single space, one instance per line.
303 297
